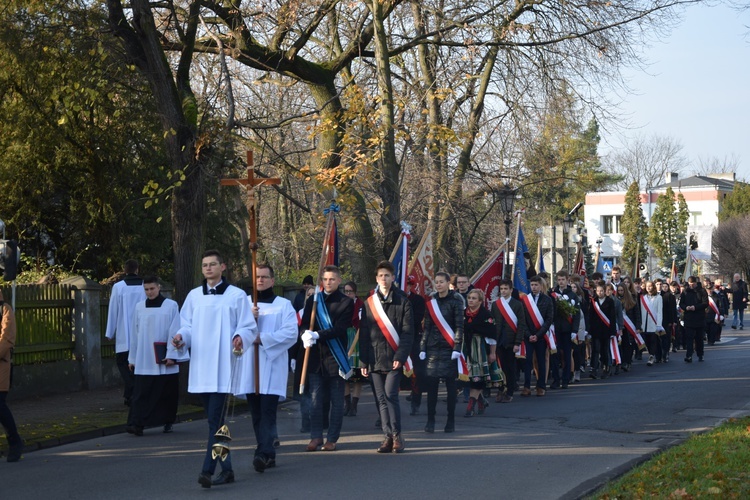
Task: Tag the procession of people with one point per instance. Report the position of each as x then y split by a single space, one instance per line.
393 339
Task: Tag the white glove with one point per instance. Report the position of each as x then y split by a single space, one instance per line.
455 355
293 365
309 338
422 355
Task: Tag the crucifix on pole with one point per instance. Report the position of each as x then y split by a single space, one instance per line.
251 183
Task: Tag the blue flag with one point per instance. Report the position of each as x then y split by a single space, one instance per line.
401 260
520 280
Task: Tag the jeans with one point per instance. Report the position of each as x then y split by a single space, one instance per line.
738 313
263 409
386 385
7 421
214 406
540 349
323 388
563 359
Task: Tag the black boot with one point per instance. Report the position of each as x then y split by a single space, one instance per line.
347 404
450 425
15 450
430 427
353 409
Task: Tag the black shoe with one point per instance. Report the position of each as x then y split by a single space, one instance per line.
555 385
270 463
689 359
408 398
130 429
225 477
430 427
700 358
593 375
259 464
414 410
450 426
204 480
15 451
276 443
167 428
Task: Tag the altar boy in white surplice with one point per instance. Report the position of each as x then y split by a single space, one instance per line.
277 324
215 322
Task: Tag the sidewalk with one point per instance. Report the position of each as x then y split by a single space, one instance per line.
48 421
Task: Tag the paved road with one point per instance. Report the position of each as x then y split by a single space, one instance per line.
559 446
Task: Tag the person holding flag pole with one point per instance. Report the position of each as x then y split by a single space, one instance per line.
386 333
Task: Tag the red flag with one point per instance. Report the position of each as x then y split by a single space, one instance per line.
579 267
423 267
488 278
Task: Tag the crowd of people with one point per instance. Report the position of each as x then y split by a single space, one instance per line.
336 343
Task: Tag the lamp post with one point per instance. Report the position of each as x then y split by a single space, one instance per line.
507 198
567 225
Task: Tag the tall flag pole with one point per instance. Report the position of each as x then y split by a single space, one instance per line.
328 257
520 280
539 257
579 267
400 256
422 265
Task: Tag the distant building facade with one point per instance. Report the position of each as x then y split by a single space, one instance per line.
703 194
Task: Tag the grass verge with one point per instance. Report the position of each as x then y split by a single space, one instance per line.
714 464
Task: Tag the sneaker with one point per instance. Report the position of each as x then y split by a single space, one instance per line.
650 361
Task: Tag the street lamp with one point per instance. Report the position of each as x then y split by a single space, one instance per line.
567 225
507 198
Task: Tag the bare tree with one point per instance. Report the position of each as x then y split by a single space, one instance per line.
715 165
646 160
731 246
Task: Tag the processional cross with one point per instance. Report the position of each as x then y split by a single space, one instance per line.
250 184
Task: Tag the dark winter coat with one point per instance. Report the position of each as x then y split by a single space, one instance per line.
598 329
374 350
694 297
340 309
439 362
739 292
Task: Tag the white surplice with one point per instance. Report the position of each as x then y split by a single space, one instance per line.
208 323
277 323
154 324
122 303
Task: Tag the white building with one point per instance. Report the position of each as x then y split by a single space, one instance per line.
703 194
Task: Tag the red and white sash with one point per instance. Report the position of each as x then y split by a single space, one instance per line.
614 351
521 354
447 332
630 327
508 314
299 316
531 307
551 340
713 306
600 313
386 328
648 309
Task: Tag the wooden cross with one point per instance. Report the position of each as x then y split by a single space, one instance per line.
251 183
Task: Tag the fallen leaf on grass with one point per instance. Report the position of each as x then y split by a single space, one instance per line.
678 493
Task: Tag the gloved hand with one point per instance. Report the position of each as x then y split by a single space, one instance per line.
309 338
455 355
422 355
293 365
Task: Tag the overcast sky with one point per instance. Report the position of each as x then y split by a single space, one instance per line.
697 89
